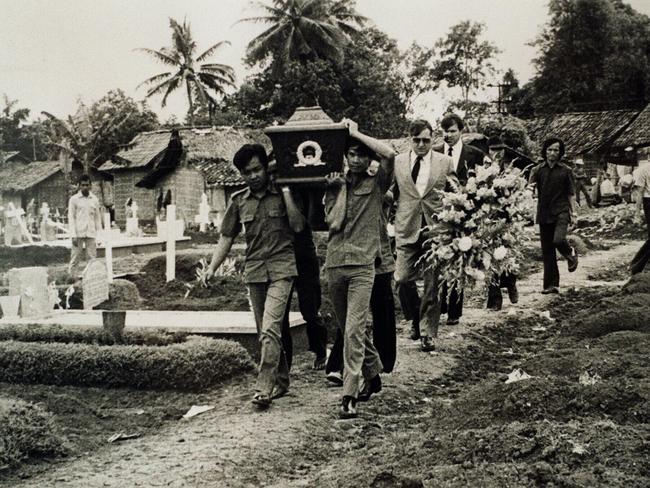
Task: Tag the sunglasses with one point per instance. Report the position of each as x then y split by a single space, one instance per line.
421 140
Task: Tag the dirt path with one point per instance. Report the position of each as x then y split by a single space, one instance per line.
299 441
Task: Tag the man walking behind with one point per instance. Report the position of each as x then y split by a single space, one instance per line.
84 220
555 211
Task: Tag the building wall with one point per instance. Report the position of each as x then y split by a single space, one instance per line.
54 191
124 188
187 185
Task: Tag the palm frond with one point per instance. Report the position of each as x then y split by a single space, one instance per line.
208 52
154 79
159 55
158 88
174 83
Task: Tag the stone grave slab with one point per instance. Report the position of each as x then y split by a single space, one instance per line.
94 283
31 285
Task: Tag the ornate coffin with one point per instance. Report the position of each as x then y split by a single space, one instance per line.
308 147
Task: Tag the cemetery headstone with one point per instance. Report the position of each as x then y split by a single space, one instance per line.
94 284
31 285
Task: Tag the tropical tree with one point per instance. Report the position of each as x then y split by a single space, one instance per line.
465 60
592 55
303 30
207 80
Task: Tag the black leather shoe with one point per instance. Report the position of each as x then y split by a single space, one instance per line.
426 344
453 321
550 290
348 408
373 386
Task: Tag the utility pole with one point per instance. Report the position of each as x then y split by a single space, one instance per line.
502 99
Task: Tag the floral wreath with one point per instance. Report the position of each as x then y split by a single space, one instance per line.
300 152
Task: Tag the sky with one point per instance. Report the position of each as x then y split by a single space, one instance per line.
56 52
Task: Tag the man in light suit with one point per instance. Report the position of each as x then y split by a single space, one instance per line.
418 173
465 158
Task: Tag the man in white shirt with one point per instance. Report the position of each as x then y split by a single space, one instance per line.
84 220
466 158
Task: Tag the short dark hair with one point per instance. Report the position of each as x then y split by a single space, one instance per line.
418 125
451 119
84 177
361 147
247 152
549 142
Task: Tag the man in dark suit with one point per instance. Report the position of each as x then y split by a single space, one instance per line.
465 158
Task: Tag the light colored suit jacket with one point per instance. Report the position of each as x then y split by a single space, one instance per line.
411 207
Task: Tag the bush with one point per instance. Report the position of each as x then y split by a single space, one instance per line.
56 333
191 366
26 431
19 257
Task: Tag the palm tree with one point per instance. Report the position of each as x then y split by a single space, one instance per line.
200 78
304 29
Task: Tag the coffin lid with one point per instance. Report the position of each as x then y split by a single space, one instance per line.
307 118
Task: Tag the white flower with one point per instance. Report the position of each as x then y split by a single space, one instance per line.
465 243
500 253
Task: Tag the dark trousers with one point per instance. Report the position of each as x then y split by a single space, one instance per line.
409 300
384 335
453 306
495 297
581 188
553 237
307 285
642 257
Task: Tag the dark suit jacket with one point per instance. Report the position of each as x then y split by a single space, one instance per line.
470 157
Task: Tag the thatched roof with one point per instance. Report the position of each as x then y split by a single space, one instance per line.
637 134
24 176
582 132
139 152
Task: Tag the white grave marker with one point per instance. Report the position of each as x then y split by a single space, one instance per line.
31 285
94 283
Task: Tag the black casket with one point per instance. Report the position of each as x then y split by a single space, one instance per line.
308 147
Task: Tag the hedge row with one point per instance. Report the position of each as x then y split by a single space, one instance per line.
26 431
192 365
56 333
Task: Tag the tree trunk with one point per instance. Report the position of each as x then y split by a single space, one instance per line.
189 99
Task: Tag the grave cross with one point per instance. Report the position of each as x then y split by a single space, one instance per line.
17 213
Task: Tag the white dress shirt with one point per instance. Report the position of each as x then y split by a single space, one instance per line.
425 171
456 149
84 216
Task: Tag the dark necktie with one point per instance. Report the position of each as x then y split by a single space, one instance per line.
450 151
416 169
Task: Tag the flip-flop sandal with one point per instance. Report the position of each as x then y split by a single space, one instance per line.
262 401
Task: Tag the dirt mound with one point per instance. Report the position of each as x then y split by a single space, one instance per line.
568 303
186 265
631 342
536 399
122 295
638 283
597 446
597 362
600 323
